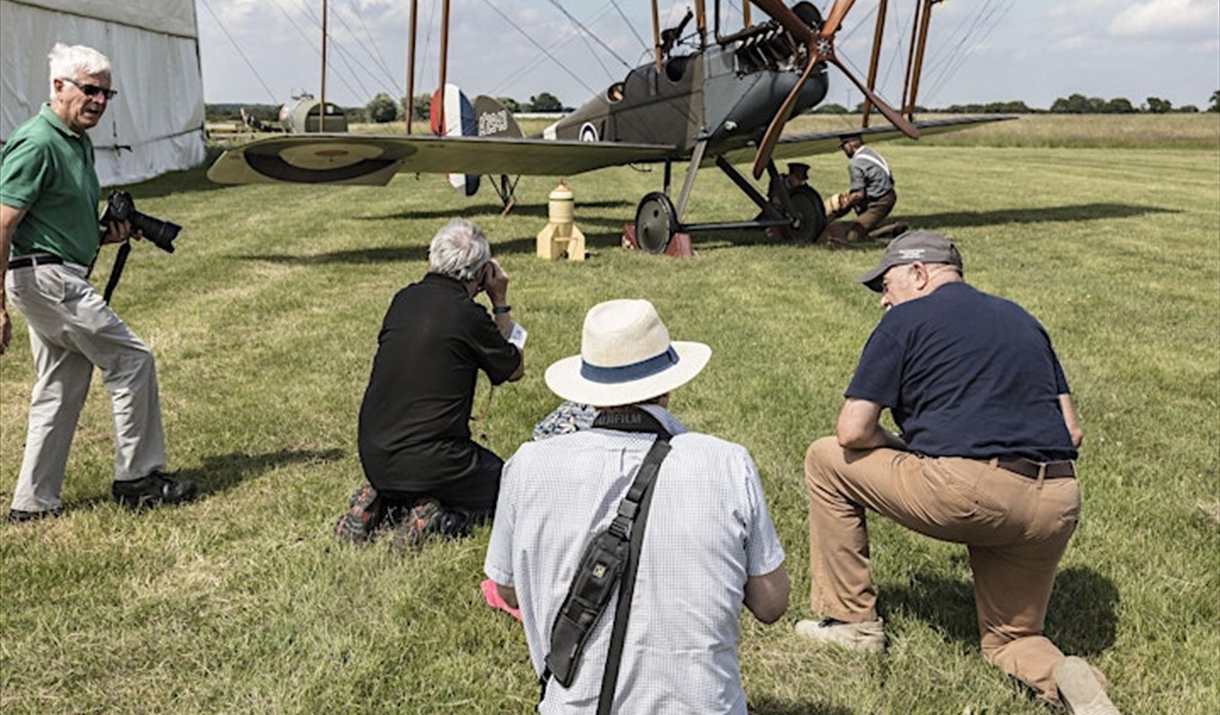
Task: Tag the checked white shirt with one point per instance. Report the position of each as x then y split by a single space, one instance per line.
707 532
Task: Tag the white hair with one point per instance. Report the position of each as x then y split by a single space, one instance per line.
458 250
69 62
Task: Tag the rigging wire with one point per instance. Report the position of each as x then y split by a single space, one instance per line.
629 25
540 47
528 67
378 62
995 13
589 33
354 64
424 66
342 70
847 31
237 47
902 32
945 58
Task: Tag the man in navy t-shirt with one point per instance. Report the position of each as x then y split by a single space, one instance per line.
988 435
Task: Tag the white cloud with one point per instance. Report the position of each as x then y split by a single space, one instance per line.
1075 43
1168 19
1087 9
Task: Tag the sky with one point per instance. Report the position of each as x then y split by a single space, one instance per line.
1035 51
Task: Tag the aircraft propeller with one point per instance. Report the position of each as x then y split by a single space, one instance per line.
819 46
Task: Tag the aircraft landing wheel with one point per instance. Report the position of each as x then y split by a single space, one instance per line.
656 222
810 217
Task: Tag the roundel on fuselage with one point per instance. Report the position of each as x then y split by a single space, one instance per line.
588 132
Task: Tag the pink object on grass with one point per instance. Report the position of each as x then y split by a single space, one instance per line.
493 599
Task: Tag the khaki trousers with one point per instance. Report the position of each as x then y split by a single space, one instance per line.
1015 528
71 330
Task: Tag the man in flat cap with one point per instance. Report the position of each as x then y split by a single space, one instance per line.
985 458
871 193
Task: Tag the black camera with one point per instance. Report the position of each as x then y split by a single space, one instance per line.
121 207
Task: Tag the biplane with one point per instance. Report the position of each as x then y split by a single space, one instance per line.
709 97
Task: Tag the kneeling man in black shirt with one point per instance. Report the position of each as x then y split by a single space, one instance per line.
424 470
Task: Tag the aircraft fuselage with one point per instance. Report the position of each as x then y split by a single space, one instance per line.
726 94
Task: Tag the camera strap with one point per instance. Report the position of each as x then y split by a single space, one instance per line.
602 566
117 271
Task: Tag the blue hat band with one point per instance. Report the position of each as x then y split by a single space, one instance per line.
629 373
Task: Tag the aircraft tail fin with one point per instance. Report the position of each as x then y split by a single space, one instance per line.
452 115
494 119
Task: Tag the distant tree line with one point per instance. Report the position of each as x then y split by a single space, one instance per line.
383 108
1075 104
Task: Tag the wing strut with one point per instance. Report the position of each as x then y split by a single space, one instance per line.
915 61
411 65
688 184
878 33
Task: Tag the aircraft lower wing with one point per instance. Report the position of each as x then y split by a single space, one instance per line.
796 145
373 159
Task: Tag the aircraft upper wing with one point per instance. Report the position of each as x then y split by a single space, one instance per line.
795 145
373 159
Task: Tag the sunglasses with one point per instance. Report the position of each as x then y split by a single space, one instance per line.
91 90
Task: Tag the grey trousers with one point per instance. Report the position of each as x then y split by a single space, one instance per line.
1015 528
71 330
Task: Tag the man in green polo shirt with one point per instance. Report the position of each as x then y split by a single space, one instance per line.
49 235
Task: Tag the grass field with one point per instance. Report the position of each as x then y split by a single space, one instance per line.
265 320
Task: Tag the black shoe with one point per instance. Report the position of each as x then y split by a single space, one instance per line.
364 514
17 516
152 490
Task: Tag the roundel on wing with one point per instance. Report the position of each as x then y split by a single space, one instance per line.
588 132
328 155
297 159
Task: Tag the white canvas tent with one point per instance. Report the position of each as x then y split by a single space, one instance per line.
155 124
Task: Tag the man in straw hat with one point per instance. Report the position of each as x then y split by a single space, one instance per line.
709 544
985 459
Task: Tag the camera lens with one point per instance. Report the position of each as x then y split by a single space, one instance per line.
161 233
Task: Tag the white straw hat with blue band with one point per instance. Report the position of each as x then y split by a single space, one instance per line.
626 356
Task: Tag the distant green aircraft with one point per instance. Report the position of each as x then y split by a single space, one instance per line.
301 117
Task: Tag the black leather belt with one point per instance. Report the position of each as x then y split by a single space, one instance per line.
38 259
1047 470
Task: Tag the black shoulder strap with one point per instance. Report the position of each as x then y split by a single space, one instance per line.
626 531
637 501
116 272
